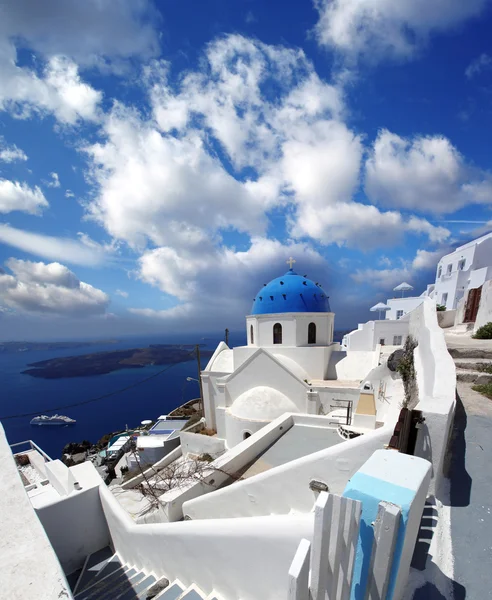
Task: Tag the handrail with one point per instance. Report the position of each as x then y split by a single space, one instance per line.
34 446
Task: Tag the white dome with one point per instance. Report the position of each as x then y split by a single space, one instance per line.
262 403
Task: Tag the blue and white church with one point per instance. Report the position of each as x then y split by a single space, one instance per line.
289 365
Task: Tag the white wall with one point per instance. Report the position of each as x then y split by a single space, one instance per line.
75 524
446 318
286 488
29 564
477 255
352 366
404 304
484 314
264 370
197 444
237 558
436 380
294 329
369 334
226 465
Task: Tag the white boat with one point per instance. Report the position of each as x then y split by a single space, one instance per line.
54 420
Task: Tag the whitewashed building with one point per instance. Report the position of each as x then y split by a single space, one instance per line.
289 365
468 267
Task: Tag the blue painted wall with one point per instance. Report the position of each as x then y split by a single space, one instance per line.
371 491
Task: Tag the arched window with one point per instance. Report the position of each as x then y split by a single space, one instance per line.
251 335
277 333
312 333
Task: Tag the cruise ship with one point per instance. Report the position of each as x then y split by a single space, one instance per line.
54 420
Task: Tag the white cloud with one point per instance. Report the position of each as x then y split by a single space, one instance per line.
426 174
79 252
424 260
93 32
122 293
384 261
49 288
55 180
19 196
168 185
375 29
220 286
482 63
59 89
11 153
69 194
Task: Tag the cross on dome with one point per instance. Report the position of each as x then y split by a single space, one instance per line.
290 262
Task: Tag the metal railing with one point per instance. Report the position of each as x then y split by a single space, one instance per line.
33 446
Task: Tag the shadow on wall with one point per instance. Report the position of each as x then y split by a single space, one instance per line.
461 482
335 358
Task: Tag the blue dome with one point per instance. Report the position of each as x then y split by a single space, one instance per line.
290 293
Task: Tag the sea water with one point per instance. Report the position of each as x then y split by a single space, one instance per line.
21 393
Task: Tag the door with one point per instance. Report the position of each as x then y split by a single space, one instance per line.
472 304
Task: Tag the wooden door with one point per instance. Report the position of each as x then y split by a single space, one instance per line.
472 304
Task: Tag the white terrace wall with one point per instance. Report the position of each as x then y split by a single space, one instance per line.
237 558
29 565
225 466
75 524
286 488
436 380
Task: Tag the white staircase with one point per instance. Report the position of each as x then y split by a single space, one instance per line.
104 577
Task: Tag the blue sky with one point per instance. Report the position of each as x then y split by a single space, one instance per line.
160 161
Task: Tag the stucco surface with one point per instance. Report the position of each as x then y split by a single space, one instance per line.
262 403
29 565
298 441
253 555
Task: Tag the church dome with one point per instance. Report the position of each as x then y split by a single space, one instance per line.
262 403
291 293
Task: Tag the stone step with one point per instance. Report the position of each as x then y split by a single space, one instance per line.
173 592
473 364
192 593
471 352
477 377
93 566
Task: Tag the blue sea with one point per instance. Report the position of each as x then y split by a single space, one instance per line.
25 394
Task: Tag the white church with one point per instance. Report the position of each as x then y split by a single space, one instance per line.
289 365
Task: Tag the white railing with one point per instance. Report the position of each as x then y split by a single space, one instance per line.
33 446
324 568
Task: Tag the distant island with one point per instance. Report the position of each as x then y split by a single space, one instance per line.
11 347
100 363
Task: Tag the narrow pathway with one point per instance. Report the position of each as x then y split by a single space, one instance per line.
471 495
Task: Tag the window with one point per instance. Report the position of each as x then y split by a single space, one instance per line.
439 271
450 268
277 333
251 335
381 341
461 264
444 299
312 333
397 340
399 314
